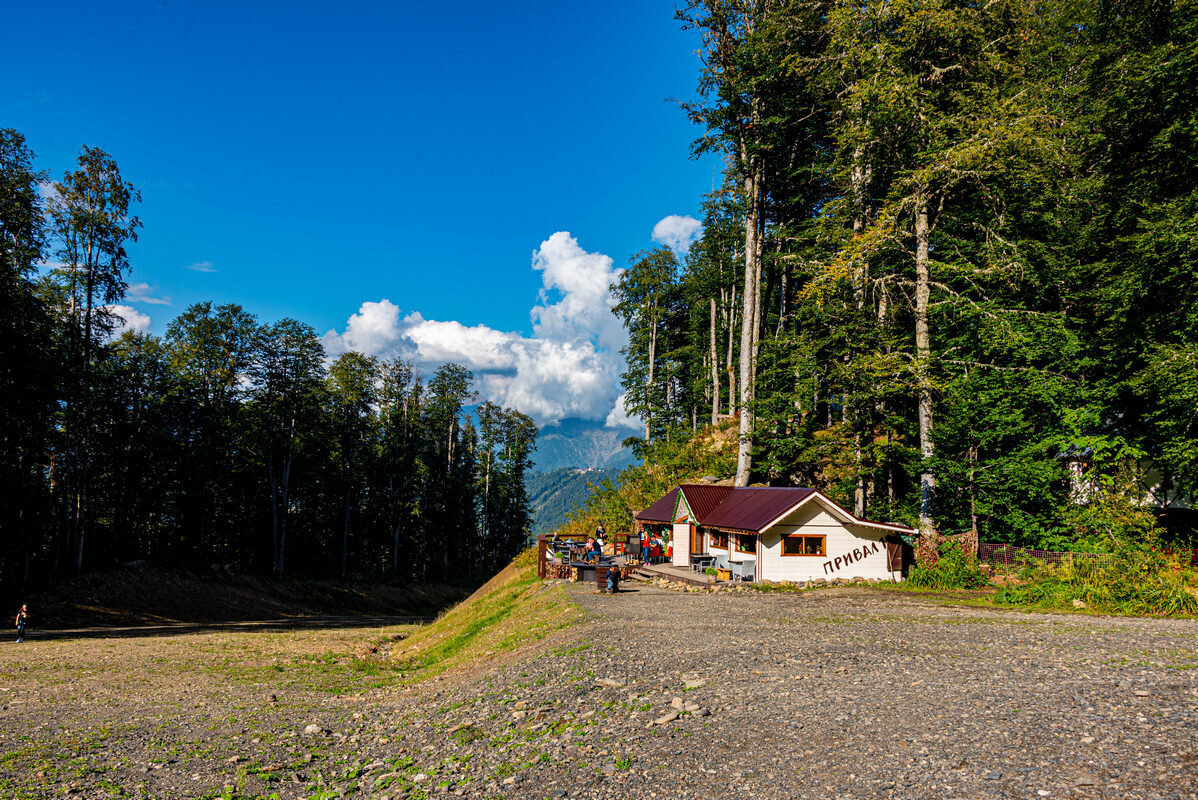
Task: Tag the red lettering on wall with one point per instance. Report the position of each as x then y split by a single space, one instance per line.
858 553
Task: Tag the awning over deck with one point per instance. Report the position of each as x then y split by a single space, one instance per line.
662 511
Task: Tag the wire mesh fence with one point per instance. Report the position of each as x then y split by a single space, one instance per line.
1008 556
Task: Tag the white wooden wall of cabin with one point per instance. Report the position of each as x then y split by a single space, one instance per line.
842 540
682 545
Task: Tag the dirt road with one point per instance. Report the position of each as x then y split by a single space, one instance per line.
835 693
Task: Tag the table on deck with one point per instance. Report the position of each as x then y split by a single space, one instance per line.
745 569
587 569
699 563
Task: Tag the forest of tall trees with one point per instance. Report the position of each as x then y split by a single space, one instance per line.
955 245
227 441
953 254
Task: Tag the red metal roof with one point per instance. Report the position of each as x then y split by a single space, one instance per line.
743 508
662 510
752 508
703 498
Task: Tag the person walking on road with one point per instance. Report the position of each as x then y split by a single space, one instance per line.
22 617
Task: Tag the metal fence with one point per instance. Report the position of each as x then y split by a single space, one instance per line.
1007 555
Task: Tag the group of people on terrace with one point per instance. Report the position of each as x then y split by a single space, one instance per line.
651 546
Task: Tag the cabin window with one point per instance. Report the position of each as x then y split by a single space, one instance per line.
746 543
719 539
795 545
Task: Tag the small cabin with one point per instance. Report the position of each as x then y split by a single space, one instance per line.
775 534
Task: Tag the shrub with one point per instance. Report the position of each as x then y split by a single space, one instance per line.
1139 580
954 569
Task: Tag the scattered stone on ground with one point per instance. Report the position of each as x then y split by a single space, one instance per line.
841 693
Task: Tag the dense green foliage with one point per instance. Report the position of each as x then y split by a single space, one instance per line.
227 441
1139 579
954 569
953 241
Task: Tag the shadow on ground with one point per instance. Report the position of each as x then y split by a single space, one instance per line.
290 624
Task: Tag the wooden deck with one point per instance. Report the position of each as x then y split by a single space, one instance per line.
673 573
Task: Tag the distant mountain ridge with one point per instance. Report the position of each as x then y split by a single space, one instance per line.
553 494
568 457
579 444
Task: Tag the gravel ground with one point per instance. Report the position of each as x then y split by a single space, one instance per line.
837 693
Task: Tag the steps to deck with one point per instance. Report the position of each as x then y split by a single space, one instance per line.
671 573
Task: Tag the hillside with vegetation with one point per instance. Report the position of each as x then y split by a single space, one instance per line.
709 453
947 277
553 495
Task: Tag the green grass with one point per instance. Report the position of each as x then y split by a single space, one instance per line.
954 569
512 609
1139 582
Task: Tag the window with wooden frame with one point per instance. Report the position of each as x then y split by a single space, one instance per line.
718 540
746 543
801 545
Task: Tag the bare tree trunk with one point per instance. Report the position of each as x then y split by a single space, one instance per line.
396 532
859 489
487 495
345 534
758 324
274 510
923 356
973 499
284 505
83 456
715 370
652 364
890 467
783 290
749 321
858 178
669 401
728 367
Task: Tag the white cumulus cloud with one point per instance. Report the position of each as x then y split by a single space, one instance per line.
373 331
201 266
130 319
575 299
143 293
48 191
569 367
620 418
677 233
478 347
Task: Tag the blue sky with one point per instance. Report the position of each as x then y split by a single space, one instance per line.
302 159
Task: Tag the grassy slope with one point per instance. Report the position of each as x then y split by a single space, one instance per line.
514 608
511 609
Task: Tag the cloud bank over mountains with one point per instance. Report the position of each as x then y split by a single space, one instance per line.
568 368
570 365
